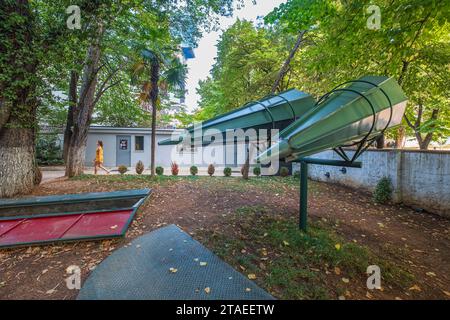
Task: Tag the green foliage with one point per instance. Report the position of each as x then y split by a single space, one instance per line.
211 170
257 171
140 167
412 45
247 64
159 170
122 169
48 150
193 170
383 191
227 171
284 172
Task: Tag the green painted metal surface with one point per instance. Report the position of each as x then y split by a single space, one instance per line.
343 117
269 112
70 204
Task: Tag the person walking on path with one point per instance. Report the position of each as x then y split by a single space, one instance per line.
98 162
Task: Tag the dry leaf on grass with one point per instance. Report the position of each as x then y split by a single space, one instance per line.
252 276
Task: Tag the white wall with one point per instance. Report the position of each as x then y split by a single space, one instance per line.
419 178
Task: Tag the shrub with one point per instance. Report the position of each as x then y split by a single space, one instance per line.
48 150
211 170
227 171
174 168
193 170
383 190
284 172
296 174
159 170
257 171
139 167
122 169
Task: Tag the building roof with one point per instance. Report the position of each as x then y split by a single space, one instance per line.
113 130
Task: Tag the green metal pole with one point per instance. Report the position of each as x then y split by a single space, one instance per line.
303 195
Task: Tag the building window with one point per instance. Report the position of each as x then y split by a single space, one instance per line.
139 143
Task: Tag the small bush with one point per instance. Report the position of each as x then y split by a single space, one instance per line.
139 167
174 168
284 172
296 174
257 171
211 170
159 170
193 170
122 169
383 191
48 150
227 171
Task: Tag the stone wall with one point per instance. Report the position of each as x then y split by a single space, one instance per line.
419 178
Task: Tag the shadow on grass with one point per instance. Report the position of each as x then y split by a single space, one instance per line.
291 264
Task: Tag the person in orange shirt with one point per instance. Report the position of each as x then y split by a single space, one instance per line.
98 162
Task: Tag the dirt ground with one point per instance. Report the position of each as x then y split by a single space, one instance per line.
419 242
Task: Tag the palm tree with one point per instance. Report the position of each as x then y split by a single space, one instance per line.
166 73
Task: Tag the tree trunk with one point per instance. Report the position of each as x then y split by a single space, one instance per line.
399 140
18 103
286 64
85 107
380 142
154 79
281 75
17 159
246 167
70 112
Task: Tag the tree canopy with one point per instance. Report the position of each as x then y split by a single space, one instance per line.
411 44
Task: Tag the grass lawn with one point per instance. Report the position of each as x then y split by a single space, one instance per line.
253 226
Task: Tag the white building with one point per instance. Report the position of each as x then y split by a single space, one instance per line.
126 146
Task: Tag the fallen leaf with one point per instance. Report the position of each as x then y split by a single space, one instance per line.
337 270
203 263
248 289
446 293
415 287
345 280
431 274
207 290
252 276
173 270
114 227
285 243
337 246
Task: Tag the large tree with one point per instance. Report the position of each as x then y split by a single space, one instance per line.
412 44
30 40
119 28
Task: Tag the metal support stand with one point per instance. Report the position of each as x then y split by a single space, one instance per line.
303 195
303 214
